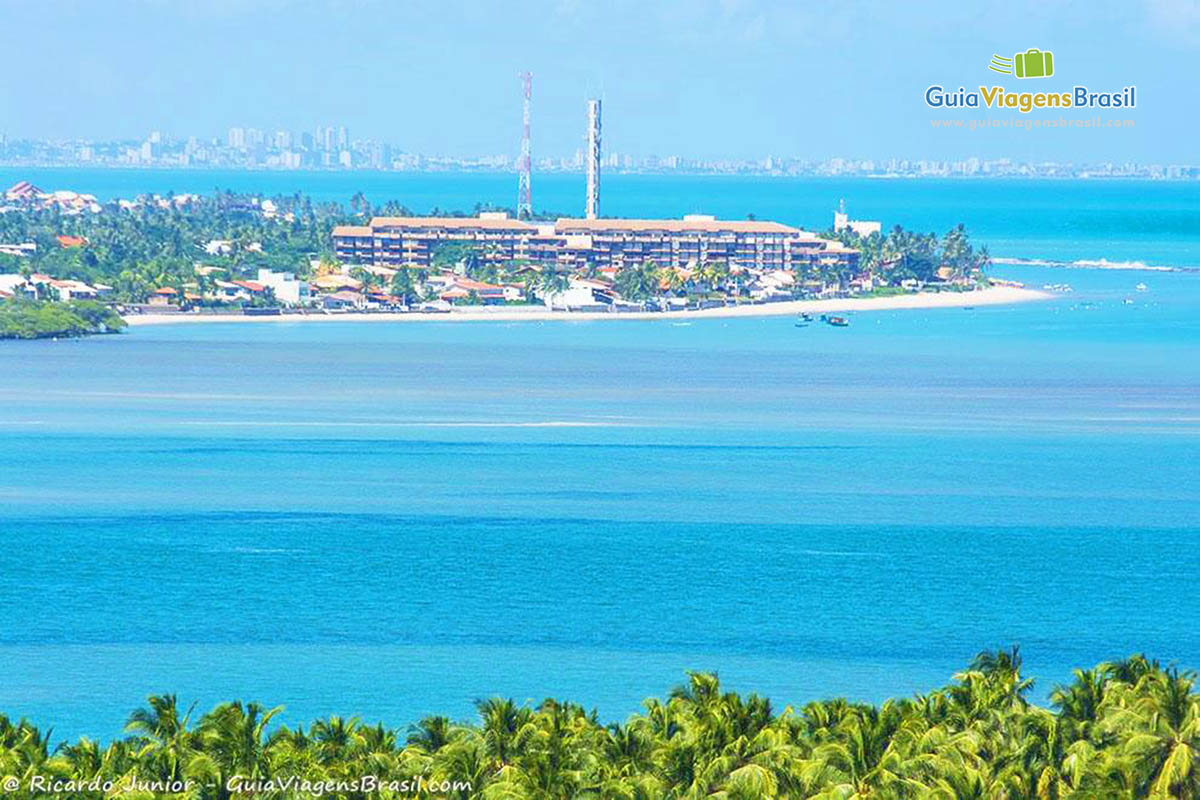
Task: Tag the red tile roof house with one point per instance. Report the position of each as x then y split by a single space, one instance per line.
22 190
253 287
384 300
163 297
232 291
454 293
64 290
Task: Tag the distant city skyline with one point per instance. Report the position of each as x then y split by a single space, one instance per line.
332 147
700 79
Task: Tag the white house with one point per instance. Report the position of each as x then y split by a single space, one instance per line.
285 287
12 285
343 301
862 227
73 290
21 250
230 291
579 292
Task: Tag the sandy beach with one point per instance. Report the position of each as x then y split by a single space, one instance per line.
996 295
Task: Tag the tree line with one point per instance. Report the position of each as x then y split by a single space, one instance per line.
901 254
138 249
149 245
1123 729
33 319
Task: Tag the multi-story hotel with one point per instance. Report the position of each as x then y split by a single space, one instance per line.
577 243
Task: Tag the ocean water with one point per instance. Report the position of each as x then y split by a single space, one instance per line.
1154 222
393 520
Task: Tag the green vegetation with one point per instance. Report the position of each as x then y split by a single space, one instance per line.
38 319
1126 729
901 255
156 242
638 282
452 255
152 245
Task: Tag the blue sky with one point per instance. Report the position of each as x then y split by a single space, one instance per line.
697 78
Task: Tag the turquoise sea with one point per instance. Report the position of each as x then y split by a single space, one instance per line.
393 520
1156 222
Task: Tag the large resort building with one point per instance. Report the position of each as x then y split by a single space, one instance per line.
572 244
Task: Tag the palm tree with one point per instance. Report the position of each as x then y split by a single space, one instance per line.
233 737
502 721
169 744
669 279
552 282
1079 703
359 204
431 734
1126 729
336 738
367 278
860 760
468 760
638 282
24 750
1158 724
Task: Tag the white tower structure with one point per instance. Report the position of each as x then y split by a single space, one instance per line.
524 164
593 160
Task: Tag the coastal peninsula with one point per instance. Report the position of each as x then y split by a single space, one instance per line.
233 257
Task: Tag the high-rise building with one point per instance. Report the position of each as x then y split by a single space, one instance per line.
237 137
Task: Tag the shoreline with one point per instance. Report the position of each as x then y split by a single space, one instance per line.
996 295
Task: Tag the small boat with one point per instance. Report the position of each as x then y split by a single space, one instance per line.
1127 301
837 322
1141 287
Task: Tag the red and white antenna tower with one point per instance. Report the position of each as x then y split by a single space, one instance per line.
524 196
